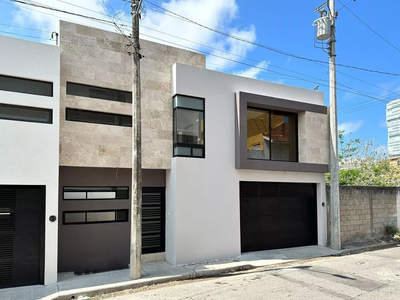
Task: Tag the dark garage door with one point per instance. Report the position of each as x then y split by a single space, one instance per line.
21 235
277 215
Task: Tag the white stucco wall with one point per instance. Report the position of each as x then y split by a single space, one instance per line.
203 194
29 151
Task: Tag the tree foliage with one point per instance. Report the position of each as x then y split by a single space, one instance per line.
364 163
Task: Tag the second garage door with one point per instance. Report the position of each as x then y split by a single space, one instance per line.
277 215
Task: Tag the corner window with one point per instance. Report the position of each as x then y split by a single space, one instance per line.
188 126
271 135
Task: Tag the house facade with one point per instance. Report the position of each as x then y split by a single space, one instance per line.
230 164
393 125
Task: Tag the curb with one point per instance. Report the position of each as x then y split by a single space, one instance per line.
368 248
134 284
116 287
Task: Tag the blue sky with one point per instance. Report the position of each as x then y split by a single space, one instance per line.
283 25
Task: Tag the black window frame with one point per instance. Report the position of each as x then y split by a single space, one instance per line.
96 199
71 85
95 211
28 108
25 80
271 112
69 118
186 145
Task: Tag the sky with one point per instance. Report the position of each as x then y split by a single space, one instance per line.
285 26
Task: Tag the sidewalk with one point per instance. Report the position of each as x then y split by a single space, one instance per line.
158 272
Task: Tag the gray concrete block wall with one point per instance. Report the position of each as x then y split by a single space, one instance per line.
364 211
99 58
313 136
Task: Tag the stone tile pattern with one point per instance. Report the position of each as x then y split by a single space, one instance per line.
364 211
313 137
97 57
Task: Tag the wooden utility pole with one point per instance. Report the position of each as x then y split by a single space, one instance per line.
334 162
136 202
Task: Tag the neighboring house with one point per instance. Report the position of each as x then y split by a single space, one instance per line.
29 135
393 125
230 164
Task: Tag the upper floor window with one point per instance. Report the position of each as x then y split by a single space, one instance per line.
271 135
80 115
83 90
26 114
26 86
188 126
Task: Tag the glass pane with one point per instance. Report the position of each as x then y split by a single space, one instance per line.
189 127
23 113
283 137
74 217
186 151
121 215
101 195
188 102
26 86
74 195
100 216
258 134
83 90
197 152
98 117
122 193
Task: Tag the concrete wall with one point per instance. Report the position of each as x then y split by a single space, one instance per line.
29 151
96 57
364 211
203 213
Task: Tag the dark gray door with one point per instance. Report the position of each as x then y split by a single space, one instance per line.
277 215
21 235
153 220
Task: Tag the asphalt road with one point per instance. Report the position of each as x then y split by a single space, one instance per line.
370 275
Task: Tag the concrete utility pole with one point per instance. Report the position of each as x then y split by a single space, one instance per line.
136 203
334 163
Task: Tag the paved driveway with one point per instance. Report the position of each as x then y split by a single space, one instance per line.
371 275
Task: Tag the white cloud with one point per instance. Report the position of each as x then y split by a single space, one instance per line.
217 14
382 123
253 72
350 126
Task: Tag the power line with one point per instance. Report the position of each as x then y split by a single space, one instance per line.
369 27
270 48
356 93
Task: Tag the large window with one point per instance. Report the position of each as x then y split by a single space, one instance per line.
80 115
188 126
26 86
26 114
89 91
96 193
103 216
271 135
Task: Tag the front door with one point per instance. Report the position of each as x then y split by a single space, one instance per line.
21 235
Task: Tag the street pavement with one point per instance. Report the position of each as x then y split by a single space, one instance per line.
369 275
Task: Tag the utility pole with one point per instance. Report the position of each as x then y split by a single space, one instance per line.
136 202
334 162
326 29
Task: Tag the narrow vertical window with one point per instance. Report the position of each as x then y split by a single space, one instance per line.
189 126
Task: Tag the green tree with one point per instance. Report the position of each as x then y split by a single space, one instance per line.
364 163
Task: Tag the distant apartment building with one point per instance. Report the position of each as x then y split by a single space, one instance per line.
393 125
229 164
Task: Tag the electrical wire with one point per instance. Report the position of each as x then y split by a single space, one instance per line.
357 93
268 47
369 27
